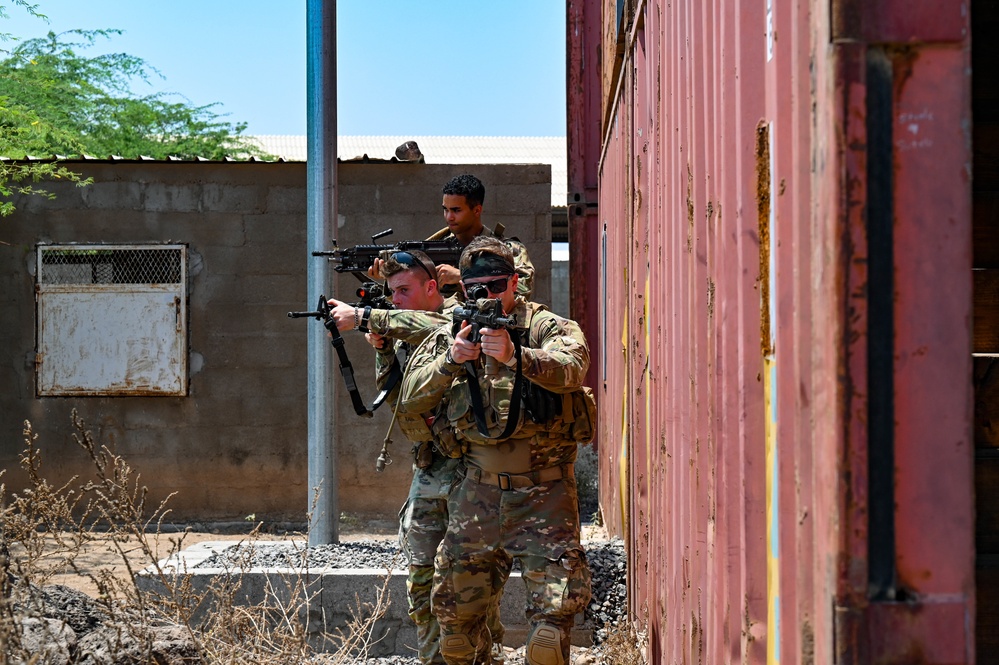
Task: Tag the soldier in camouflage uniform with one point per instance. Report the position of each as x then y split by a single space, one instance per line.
423 518
518 497
462 203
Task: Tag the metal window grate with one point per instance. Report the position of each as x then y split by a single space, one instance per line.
110 265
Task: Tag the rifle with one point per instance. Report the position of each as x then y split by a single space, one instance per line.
483 312
372 295
322 313
359 258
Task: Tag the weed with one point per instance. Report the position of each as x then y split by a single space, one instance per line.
160 615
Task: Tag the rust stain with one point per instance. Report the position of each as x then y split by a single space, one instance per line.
696 643
690 210
903 57
807 643
763 224
711 299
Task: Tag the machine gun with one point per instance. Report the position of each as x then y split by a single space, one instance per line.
359 258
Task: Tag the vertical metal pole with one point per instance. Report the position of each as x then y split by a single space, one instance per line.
321 189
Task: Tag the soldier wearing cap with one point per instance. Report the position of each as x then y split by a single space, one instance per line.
518 496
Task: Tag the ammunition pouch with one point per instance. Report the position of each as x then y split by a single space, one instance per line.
445 439
582 409
542 405
414 427
423 455
574 414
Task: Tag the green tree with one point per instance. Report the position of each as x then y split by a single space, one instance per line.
56 102
18 125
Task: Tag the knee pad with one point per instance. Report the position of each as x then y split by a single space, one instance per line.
458 647
544 646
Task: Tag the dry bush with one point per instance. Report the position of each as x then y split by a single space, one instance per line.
624 645
42 532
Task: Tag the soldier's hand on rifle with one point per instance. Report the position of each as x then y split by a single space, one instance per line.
496 342
375 271
376 340
463 350
344 314
447 274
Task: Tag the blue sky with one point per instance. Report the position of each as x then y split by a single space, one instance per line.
405 67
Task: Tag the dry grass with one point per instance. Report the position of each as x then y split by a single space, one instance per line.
625 645
46 535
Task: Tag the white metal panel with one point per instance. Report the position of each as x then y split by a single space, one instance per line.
102 338
110 342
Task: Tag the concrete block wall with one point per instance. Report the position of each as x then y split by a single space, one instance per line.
236 445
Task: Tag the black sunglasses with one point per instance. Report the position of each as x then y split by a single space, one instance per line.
495 286
408 260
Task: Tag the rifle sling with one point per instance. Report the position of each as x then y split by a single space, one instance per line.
394 377
478 410
346 369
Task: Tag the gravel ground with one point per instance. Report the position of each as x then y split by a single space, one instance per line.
368 553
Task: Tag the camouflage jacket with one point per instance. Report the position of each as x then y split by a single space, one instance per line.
521 262
407 328
409 325
554 356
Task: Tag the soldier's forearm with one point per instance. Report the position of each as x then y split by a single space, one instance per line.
557 371
406 325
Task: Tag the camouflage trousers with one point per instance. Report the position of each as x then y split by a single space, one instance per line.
422 523
539 527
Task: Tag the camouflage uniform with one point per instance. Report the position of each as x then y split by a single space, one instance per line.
423 518
518 498
406 325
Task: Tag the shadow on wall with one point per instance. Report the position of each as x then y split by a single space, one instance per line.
587 483
560 279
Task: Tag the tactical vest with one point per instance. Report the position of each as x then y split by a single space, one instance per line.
542 412
429 428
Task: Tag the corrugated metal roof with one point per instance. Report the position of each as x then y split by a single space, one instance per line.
441 150
436 150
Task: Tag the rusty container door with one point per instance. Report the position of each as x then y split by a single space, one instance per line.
784 325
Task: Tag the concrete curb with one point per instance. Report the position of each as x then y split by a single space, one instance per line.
328 598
